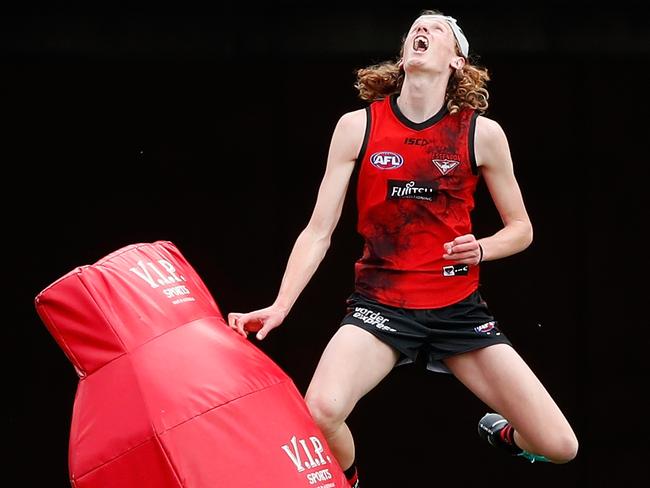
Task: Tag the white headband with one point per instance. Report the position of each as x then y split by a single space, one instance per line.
461 40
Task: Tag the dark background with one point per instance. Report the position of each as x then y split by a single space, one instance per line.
210 128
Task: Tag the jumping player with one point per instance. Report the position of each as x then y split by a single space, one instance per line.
420 147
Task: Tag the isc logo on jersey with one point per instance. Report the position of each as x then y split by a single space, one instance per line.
386 160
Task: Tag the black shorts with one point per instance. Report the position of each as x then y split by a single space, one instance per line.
427 336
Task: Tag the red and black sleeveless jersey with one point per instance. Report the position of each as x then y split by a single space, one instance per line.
415 192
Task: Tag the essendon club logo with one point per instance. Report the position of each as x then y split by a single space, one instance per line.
445 166
386 160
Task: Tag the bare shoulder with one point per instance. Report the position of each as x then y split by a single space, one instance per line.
491 143
354 120
348 136
488 128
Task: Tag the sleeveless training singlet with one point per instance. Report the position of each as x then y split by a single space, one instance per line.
415 192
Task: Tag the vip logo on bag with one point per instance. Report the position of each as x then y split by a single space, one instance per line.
309 454
155 277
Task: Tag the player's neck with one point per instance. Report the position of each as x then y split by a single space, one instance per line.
422 97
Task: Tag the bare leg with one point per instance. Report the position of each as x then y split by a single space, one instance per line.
501 379
351 365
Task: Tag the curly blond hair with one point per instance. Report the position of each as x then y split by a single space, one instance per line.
466 87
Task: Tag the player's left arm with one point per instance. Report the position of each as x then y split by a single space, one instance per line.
495 164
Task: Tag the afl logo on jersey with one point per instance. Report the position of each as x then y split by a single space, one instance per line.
386 160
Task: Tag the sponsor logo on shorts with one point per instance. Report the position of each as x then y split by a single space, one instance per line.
386 160
455 270
488 328
415 190
372 318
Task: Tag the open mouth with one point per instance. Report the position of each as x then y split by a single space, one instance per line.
420 44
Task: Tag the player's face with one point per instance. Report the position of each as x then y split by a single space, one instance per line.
429 40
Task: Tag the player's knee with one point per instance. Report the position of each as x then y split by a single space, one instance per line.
565 448
326 411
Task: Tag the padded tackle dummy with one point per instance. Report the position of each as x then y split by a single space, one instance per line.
168 394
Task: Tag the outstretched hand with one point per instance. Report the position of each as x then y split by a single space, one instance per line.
261 321
463 249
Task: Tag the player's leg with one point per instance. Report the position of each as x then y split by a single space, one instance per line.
499 377
353 362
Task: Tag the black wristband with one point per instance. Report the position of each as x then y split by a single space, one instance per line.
480 258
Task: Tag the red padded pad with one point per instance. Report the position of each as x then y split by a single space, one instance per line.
169 395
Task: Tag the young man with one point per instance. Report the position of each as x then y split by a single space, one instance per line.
420 147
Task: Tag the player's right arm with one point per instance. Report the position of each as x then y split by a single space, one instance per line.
313 242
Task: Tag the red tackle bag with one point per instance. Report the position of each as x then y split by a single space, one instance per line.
169 396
